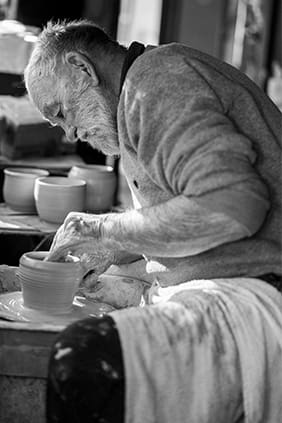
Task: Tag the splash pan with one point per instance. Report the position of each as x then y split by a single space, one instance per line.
13 309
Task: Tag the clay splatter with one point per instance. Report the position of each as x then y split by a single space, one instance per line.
62 352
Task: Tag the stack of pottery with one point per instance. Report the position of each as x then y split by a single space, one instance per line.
56 196
101 185
19 187
48 286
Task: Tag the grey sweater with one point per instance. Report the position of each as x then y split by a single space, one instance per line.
190 124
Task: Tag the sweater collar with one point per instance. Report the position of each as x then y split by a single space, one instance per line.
135 49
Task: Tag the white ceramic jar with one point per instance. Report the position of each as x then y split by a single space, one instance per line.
19 186
101 185
56 196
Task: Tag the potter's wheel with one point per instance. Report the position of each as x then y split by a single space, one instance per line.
13 309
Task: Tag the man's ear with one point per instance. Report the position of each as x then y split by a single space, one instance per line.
82 64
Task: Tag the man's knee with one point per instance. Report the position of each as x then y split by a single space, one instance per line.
85 373
84 350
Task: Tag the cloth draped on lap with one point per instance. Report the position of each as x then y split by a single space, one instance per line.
206 351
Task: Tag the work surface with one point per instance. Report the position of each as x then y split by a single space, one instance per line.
12 221
57 164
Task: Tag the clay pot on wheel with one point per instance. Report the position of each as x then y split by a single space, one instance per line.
101 184
48 286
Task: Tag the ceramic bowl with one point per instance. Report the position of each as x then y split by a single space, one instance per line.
101 185
56 196
48 286
19 187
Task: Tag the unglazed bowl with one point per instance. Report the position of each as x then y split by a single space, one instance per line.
101 185
56 196
48 286
19 187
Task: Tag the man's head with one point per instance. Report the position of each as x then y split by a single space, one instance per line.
73 78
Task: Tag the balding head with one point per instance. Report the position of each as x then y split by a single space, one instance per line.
73 78
58 39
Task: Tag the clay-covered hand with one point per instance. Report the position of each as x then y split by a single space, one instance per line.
80 236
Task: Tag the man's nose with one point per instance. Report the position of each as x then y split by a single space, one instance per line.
71 134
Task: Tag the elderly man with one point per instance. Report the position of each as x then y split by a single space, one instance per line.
200 146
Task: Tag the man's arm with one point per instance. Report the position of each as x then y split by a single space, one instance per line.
176 228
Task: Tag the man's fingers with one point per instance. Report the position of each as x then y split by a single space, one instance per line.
58 254
58 235
69 231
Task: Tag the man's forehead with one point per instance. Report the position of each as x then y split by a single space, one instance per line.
49 93
45 96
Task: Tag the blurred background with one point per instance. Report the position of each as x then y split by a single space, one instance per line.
246 33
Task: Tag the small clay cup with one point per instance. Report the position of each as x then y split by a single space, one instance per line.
19 187
56 196
101 183
48 286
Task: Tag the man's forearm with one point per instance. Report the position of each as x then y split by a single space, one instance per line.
176 228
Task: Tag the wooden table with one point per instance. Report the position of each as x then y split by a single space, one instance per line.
24 355
55 164
14 222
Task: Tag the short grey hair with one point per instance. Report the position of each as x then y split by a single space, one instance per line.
57 38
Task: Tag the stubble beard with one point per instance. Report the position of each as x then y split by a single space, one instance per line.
99 122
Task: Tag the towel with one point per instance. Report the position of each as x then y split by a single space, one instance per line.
205 351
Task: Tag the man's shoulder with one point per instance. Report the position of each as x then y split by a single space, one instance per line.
172 49
159 61
173 58
162 54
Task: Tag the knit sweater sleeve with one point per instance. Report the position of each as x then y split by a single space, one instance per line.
185 140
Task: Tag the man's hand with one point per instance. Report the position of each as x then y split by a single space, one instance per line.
80 236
